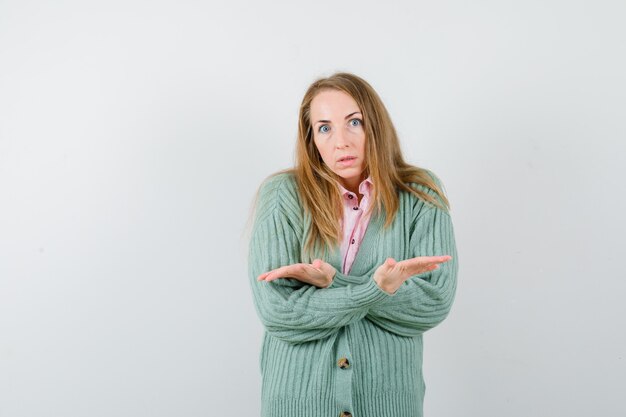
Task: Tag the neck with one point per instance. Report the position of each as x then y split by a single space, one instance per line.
353 184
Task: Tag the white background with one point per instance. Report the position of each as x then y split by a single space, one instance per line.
133 135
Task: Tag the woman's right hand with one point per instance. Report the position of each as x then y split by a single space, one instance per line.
392 274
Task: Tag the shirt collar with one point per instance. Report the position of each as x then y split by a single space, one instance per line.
364 188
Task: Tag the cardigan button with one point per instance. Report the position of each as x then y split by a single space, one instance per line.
343 363
345 414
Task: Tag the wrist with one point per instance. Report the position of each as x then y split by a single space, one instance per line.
342 280
383 285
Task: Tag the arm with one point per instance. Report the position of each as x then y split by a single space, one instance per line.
293 313
423 301
342 279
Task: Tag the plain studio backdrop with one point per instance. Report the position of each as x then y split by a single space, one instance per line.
134 134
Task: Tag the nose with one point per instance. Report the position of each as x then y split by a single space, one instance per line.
341 140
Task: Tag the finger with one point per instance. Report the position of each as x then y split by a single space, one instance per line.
427 260
420 265
311 271
440 259
317 263
273 276
283 271
390 262
275 273
432 265
262 276
287 271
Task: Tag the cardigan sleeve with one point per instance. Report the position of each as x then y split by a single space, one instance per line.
297 313
424 300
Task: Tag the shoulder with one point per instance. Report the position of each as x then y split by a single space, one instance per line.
279 192
279 187
418 203
278 182
423 187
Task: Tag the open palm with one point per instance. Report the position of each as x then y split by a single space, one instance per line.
317 273
392 274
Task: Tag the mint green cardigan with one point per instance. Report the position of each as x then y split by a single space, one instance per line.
351 349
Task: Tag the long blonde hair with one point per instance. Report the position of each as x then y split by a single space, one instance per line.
318 186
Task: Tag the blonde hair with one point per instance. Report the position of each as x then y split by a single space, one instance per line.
318 186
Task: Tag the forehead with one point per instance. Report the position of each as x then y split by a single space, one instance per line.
329 103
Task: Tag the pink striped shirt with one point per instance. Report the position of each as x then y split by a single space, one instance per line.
354 222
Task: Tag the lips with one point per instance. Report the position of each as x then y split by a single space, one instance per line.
346 158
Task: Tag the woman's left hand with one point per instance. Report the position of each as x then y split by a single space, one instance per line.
318 273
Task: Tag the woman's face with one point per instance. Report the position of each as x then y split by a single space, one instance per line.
338 133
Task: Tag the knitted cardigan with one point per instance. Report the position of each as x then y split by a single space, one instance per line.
350 349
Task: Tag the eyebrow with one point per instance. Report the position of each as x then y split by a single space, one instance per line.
328 121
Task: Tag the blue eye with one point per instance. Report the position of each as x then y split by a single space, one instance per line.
358 120
322 126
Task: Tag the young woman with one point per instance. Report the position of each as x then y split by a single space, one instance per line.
352 258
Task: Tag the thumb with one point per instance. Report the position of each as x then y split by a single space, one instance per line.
317 263
390 262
